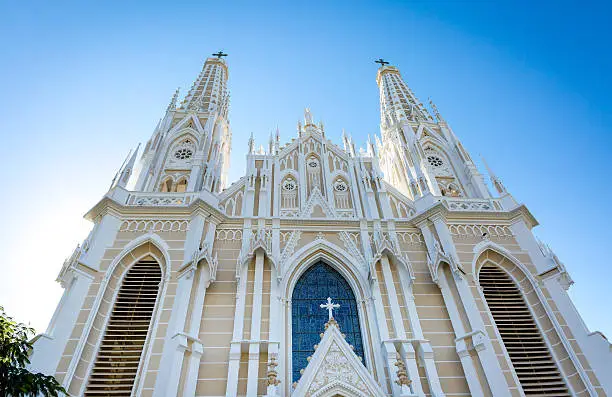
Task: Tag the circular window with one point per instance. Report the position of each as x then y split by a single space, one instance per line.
435 161
313 163
289 185
340 186
183 154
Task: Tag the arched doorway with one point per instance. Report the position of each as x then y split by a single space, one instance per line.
308 319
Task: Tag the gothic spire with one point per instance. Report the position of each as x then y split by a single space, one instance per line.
209 91
499 186
397 101
172 104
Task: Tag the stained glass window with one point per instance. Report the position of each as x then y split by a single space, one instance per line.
308 319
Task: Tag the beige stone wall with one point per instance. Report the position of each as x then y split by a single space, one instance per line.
435 322
99 315
218 316
217 321
465 243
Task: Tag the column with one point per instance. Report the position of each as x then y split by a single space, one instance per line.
480 338
235 346
425 350
176 342
451 306
254 345
400 332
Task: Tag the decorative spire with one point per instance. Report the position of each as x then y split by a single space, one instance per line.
172 104
436 112
123 176
209 92
397 101
251 144
499 186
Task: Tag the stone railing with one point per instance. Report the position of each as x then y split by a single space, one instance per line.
465 204
160 199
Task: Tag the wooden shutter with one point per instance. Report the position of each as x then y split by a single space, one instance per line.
114 371
534 365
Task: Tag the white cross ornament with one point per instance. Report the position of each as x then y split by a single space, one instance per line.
330 307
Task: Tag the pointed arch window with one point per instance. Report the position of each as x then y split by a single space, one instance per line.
341 194
308 319
529 354
166 186
181 186
116 365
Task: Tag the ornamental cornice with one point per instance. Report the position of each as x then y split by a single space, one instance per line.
109 206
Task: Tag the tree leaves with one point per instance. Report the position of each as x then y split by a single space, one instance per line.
15 348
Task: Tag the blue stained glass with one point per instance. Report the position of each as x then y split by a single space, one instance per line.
308 319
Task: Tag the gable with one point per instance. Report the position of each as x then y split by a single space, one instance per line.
334 368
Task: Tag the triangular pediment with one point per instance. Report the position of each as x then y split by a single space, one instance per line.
334 369
317 206
189 122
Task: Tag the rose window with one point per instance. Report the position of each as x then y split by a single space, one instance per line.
183 154
312 163
435 161
289 185
340 186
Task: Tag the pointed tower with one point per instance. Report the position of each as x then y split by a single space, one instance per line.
190 148
421 155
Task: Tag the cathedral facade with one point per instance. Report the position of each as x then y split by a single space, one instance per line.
323 271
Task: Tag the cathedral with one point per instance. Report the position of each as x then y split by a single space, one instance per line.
326 270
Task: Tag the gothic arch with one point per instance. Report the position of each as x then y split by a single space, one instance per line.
181 136
352 271
167 184
230 207
289 197
322 250
548 328
149 245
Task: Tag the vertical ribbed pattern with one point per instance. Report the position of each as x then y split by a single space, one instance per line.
115 368
534 365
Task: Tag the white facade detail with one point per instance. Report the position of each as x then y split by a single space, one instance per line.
408 223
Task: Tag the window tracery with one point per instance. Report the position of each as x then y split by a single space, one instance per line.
308 319
341 194
289 193
183 154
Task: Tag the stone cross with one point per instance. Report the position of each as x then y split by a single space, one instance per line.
330 307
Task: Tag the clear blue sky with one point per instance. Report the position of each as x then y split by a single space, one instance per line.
524 83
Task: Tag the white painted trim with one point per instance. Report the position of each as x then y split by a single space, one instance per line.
165 269
549 312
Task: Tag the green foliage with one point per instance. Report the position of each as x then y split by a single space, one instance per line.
15 347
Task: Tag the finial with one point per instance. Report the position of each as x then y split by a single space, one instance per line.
435 110
251 144
277 134
219 54
172 104
382 62
497 183
307 116
330 307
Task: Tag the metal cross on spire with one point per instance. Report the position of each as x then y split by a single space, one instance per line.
382 62
220 54
330 307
